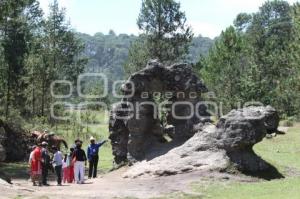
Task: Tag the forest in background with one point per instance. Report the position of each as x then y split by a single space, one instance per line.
108 53
256 59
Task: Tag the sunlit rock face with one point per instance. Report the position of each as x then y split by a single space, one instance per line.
179 86
182 139
214 147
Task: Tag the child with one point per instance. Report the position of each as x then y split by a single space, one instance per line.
71 166
57 164
66 172
68 167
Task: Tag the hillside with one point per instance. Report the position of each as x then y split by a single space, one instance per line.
108 53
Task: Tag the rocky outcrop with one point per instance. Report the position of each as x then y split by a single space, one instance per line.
240 130
216 147
197 153
118 133
271 118
2 139
143 128
14 142
138 135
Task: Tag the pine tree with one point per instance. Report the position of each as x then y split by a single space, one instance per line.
18 19
165 37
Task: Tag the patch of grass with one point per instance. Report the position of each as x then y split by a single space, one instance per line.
18 197
282 151
180 195
100 132
275 189
14 170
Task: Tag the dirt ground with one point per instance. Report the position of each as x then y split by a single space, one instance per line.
112 185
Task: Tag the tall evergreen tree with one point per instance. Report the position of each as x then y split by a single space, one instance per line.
17 19
167 36
60 54
271 50
226 68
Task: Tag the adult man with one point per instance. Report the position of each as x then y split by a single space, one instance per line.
93 156
45 160
80 161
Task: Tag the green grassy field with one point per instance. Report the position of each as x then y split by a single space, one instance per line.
97 127
99 130
283 152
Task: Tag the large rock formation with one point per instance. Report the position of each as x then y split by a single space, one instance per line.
215 147
142 127
138 134
14 142
2 139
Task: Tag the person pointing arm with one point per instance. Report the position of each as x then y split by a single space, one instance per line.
93 156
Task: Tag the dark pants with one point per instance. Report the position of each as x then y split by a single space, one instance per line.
58 171
44 174
93 164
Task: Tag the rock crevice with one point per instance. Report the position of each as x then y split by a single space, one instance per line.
139 136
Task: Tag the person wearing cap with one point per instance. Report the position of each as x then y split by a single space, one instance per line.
93 157
45 160
79 159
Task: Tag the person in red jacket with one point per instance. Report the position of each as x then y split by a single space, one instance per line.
35 165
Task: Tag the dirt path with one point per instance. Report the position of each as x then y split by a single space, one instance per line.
112 185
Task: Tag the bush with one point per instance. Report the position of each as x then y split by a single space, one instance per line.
288 122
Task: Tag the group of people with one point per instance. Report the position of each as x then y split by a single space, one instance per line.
68 168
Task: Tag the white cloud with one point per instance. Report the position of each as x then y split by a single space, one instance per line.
205 29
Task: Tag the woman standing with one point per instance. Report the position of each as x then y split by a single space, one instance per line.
35 165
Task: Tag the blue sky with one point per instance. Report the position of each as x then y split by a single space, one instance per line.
207 17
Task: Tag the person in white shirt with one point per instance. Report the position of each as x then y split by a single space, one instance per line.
57 164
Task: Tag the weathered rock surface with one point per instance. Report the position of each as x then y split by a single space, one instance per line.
271 118
138 135
142 129
215 147
2 149
195 154
2 153
14 143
